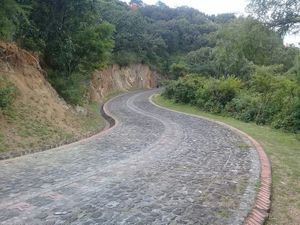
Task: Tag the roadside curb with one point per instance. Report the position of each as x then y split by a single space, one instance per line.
262 205
110 123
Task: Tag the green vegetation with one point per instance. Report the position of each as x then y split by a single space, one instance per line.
74 38
265 98
7 93
281 15
32 129
283 150
3 145
11 14
245 72
93 122
224 64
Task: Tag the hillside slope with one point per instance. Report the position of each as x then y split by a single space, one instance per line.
38 117
116 78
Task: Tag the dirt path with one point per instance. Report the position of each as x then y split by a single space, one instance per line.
154 167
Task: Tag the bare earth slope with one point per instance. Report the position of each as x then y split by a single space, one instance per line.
116 78
154 167
39 118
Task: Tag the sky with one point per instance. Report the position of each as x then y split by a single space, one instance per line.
217 7
208 6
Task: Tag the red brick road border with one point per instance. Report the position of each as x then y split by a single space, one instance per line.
260 211
262 205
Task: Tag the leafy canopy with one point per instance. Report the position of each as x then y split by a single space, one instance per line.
283 15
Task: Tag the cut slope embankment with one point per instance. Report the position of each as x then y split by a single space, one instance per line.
38 118
119 79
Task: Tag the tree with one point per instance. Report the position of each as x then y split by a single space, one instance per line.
178 70
11 12
72 34
137 2
246 41
73 41
201 61
283 15
295 70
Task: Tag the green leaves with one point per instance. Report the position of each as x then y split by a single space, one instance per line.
75 42
267 98
283 15
245 42
7 93
11 14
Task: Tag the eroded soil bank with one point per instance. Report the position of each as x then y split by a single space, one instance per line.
38 117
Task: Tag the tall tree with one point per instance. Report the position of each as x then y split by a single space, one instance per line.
61 26
245 41
283 15
11 12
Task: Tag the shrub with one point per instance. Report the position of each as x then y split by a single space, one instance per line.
73 88
243 107
215 94
184 90
178 70
169 90
7 93
266 98
124 58
289 119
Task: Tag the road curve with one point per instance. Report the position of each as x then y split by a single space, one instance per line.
154 167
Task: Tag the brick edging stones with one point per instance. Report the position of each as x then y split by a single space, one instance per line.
260 211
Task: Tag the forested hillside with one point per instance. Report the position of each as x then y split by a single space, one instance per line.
247 72
73 38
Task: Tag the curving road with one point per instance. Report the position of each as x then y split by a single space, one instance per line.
154 167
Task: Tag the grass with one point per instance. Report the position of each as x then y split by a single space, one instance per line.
283 150
26 128
35 132
93 121
3 145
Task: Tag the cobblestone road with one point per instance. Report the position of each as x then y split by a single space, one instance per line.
154 167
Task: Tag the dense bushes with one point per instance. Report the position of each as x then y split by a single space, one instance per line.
265 98
7 93
73 88
216 93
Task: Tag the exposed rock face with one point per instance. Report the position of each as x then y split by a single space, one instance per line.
116 78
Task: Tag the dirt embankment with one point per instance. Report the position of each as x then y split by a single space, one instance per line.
115 79
38 117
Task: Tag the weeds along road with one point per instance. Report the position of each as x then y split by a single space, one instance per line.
154 167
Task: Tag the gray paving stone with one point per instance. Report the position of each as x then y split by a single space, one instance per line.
155 167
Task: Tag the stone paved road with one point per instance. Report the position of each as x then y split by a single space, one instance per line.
154 167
